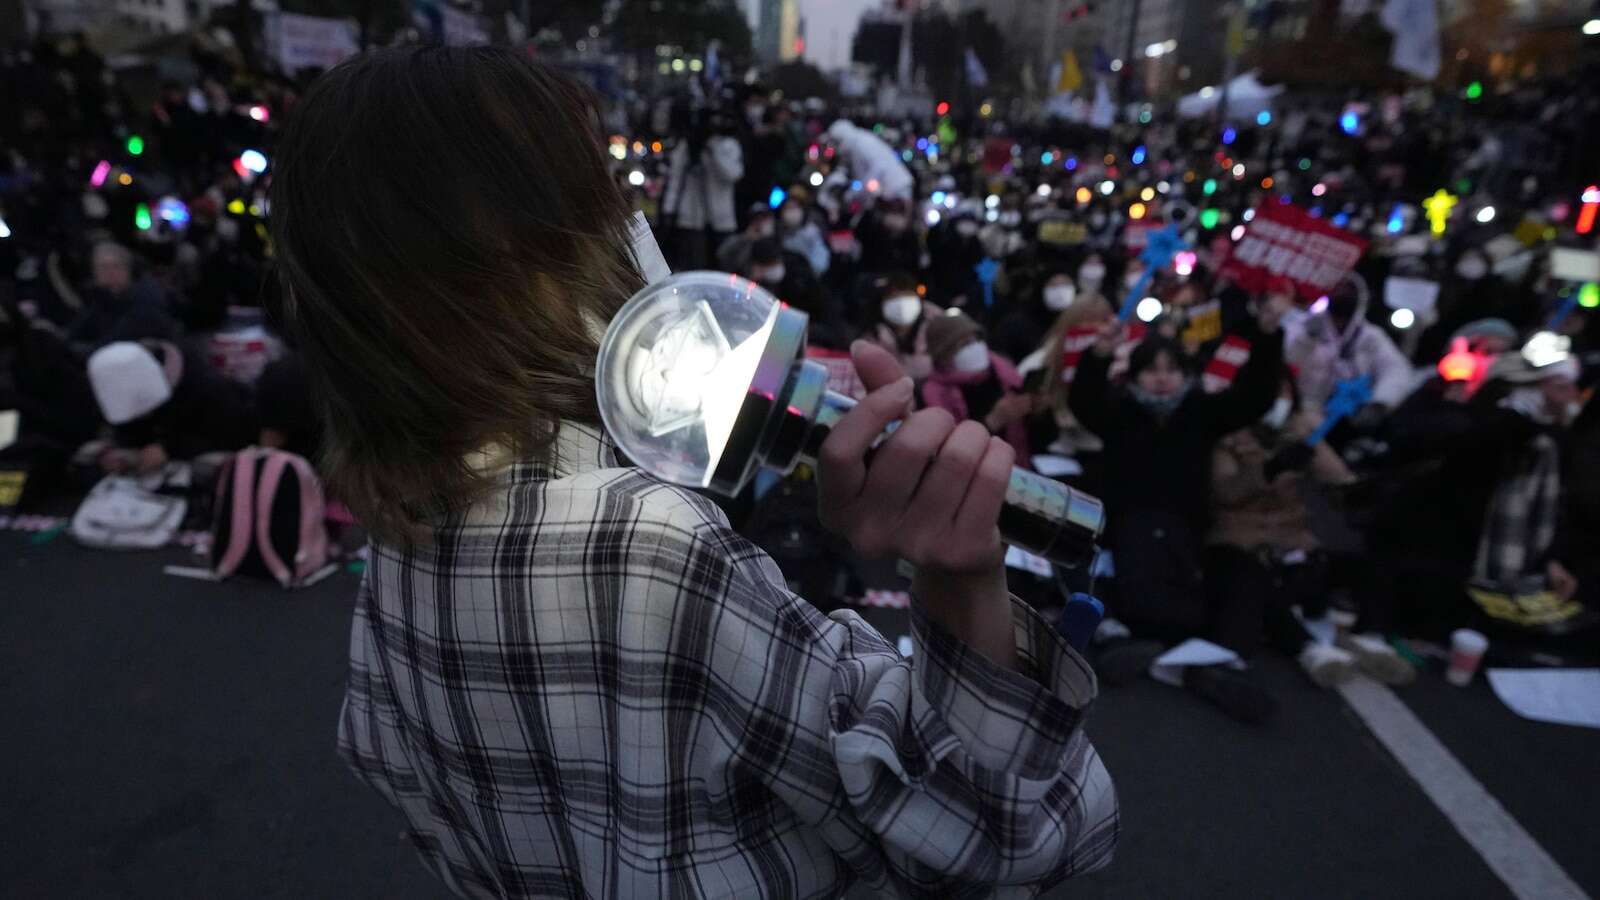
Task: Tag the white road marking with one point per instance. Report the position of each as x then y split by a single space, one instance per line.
1510 851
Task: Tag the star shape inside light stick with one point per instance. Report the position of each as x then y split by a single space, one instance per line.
1162 245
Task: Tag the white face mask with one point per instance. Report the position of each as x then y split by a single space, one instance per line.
971 359
966 227
1277 415
792 218
1059 296
771 274
1471 268
902 310
1092 273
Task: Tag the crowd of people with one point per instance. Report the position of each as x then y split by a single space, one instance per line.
998 263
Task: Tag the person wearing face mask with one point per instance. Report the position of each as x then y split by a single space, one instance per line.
1341 344
888 241
705 167
1159 431
901 324
789 277
801 235
760 225
1262 556
954 251
971 382
1018 332
1092 274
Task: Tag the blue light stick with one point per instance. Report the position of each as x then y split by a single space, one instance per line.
1349 395
986 272
1158 253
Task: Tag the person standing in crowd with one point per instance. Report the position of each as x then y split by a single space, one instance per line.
972 382
449 328
706 164
900 323
1264 565
1159 432
888 240
1342 344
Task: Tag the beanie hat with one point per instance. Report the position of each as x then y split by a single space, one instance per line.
128 381
948 332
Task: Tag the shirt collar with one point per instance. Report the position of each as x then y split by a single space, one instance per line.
579 447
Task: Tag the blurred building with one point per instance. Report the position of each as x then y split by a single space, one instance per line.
778 32
138 19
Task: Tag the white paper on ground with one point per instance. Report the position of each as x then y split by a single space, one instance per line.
9 423
1559 696
1018 558
1051 466
1169 666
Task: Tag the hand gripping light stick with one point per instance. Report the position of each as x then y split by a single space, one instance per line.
701 380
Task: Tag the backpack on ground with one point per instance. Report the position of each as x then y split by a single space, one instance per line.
122 514
268 520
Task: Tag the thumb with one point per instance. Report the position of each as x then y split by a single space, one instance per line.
876 366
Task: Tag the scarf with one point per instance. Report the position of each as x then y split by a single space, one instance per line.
1160 407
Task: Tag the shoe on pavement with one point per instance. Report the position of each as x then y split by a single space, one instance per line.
1123 661
1232 690
1375 657
1327 665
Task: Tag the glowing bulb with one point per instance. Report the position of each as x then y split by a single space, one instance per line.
141 217
173 211
236 206
1163 187
253 161
259 113
1084 195
619 152
1485 215
1320 305
1147 194
1136 211
1350 123
775 199
5 230
1209 188
98 176
816 179
1591 27
1228 136
1148 309
1475 91
1107 187
124 179
1043 191
1208 218
992 201
1249 215
135 145
636 178
1546 348
1263 118
1589 295
1402 318
1238 170
933 217
1138 155
873 185
1184 262
1318 189
1237 232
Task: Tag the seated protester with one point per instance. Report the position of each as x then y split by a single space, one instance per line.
971 382
899 323
163 406
888 240
1159 432
789 277
1017 333
1262 557
1341 344
118 307
954 251
734 254
800 234
1050 370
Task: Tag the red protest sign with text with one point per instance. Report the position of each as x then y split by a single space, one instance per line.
1286 241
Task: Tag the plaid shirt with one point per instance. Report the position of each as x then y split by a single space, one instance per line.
589 686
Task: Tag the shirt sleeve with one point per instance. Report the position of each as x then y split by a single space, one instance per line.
940 775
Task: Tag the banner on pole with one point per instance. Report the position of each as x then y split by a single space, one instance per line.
301 42
1286 241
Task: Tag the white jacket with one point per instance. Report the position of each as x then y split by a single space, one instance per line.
1325 356
691 189
870 159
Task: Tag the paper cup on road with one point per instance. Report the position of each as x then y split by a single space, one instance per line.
1466 652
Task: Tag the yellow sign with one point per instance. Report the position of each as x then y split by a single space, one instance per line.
1061 233
11 485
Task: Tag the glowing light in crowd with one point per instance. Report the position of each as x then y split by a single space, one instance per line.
236 206
1208 218
1043 191
1147 194
1107 187
1591 27
1316 211
1116 65
1305 164
1349 122
1475 91
638 148
1591 206
816 179
992 215
173 211
1184 262
1046 158
1084 195
992 201
1263 118
1237 232
655 146
259 113
1071 163
1318 189
906 155
1546 348
677 65
1460 364
253 161
1136 211
1145 117
1110 160
256 210
942 109
1249 215
1228 136
98 176
1238 170
1485 215
1589 295
619 151
937 197
5 230
1162 187
1267 183
873 186
124 179
1148 309
775 199
1402 318
636 178
135 145
1210 187
855 185
1439 207
933 217
1341 219
1397 220
986 110
141 217
1320 305
1138 155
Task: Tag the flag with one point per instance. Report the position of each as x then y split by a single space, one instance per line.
977 76
1415 26
1104 112
1071 77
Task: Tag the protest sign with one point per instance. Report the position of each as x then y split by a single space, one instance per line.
301 42
1289 242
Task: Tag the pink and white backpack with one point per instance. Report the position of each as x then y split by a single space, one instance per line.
268 519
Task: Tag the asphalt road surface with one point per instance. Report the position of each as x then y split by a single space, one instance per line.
173 738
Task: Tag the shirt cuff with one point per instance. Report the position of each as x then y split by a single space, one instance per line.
1019 722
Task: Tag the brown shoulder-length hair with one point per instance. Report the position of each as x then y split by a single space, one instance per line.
451 245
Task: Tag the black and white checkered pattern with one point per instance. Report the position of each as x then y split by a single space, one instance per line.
589 686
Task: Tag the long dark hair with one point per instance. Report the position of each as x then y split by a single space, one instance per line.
451 247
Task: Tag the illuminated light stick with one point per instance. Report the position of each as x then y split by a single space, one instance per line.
1591 208
1439 207
101 171
986 270
1164 244
1349 395
1463 365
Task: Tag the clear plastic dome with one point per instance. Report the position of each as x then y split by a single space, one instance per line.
674 367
